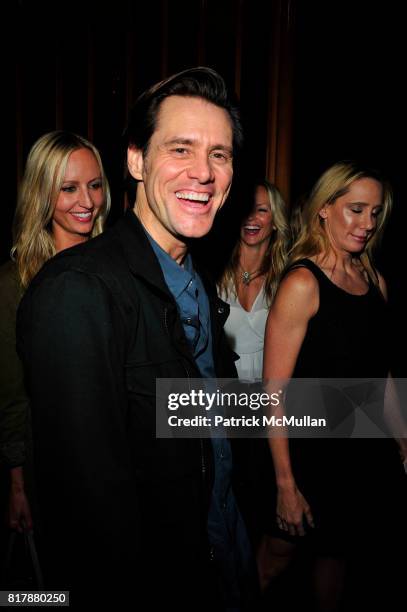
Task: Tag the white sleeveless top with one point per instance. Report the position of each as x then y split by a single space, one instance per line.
245 333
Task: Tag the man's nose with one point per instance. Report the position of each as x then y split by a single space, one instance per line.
201 169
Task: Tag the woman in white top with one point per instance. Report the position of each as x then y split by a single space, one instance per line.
249 284
251 277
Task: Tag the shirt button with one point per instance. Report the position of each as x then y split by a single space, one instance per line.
189 321
221 310
224 506
211 553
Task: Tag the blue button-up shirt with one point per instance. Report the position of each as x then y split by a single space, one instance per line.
226 530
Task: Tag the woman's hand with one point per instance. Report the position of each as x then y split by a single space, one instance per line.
292 507
19 513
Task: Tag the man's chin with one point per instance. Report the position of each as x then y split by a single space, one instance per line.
197 230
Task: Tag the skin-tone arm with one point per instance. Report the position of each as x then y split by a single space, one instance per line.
297 300
394 418
392 411
19 516
382 285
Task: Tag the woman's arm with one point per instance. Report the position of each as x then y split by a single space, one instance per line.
382 285
13 400
297 300
395 418
19 507
393 413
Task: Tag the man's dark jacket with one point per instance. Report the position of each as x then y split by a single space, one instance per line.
96 328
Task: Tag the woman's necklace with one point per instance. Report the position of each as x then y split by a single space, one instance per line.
247 277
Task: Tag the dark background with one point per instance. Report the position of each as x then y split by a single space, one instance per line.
318 82
80 65
349 103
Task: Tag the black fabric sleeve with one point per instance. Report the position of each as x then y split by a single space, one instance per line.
71 338
13 397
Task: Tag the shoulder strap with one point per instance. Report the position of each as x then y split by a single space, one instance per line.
310 265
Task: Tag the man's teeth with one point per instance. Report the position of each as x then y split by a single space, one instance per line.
191 195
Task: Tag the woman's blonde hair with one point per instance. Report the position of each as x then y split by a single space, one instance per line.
275 258
334 183
44 173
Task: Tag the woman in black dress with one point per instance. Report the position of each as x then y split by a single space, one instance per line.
329 320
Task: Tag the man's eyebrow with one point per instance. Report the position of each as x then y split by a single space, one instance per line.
178 140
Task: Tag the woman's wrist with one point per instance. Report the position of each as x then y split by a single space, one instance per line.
17 479
286 483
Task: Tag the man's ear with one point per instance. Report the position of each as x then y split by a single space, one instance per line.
135 163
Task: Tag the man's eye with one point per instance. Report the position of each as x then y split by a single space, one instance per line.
219 155
180 150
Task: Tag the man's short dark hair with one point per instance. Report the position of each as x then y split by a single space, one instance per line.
200 82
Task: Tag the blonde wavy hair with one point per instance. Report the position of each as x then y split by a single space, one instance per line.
275 258
44 173
334 183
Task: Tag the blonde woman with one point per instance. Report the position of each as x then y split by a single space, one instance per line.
64 200
343 498
248 285
251 278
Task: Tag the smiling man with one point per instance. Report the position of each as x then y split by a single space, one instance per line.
186 173
123 511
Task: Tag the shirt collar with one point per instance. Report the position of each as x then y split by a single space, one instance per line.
177 277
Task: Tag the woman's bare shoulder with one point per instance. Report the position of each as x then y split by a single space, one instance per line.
301 280
300 290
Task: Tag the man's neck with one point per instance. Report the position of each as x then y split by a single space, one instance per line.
169 243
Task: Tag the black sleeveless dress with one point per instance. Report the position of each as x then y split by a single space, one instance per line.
356 487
